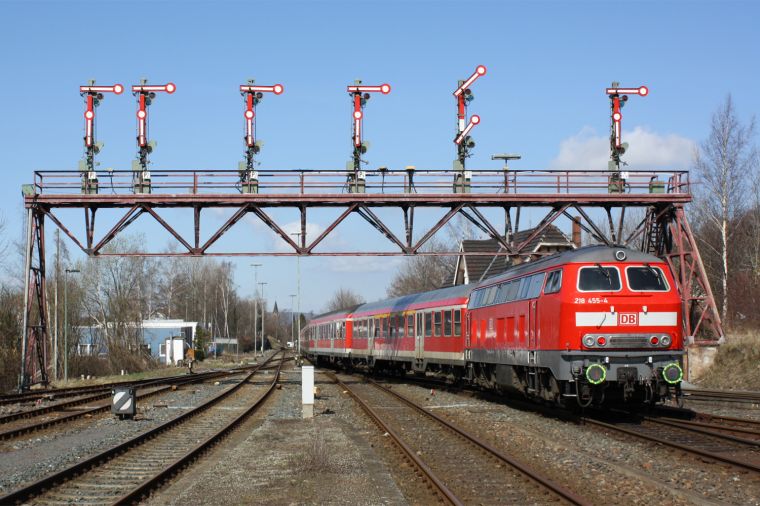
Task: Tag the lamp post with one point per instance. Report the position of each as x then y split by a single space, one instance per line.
255 302
66 323
263 316
298 291
292 321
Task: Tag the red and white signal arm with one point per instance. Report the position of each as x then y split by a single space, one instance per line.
479 71
147 88
641 90
253 88
383 88
118 89
474 120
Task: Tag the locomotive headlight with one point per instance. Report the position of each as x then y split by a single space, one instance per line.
596 374
672 373
665 341
601 341
588 341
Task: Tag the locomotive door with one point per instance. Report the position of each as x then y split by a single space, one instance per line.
467 330
533 325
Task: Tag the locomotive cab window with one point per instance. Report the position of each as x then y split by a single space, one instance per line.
646 279
597 278
554 282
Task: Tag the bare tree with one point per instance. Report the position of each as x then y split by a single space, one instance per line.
343 299
725 163
424 272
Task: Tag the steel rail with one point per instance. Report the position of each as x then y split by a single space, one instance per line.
671 444
144 489
428 473
38 487
545 481
704 428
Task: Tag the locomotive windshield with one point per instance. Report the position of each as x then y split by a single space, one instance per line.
598 279
646 279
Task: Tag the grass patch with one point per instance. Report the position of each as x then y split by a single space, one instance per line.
737 364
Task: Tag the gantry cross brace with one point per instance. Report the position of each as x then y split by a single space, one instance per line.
570 194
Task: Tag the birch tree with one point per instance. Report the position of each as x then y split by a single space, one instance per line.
725 164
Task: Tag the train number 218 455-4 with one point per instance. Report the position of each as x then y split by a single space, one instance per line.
591 300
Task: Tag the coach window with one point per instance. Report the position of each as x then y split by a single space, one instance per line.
410 325
646 279
428 324
447 323
457 322
553 282
598 279
437 321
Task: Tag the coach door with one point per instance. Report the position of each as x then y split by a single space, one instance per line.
419 336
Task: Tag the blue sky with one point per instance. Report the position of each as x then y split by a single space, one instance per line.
548 64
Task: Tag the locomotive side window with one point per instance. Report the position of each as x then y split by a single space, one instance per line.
457 322
428 325
524 286
490 295
553 282
501 295
512 289
646 279
598 279
536 282
447 323
437 321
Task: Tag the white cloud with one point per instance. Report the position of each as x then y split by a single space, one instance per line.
648 151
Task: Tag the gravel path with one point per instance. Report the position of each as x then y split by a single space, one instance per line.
277 457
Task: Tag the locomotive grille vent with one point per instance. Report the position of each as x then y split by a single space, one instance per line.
629 342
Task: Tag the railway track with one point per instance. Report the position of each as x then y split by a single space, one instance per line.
451 459
73 410
126 473
700 395
692 437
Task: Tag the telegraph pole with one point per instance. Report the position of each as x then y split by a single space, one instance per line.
263 315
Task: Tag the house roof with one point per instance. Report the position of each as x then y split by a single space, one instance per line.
484 266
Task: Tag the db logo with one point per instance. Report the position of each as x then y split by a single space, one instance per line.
629 319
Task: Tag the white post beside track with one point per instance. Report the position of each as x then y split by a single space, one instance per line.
307 390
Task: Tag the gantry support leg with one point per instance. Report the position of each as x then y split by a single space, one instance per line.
34 359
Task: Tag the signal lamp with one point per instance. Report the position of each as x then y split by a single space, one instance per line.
481 70
170 88
601 341
654 340
249 114
665 341
475 119
89 114
278 89
357 115
617 116
385 89
588 341
643 91
118 89
141 114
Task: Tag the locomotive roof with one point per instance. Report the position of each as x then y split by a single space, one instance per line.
416 299
587 254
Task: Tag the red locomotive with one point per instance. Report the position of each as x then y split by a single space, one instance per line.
590 325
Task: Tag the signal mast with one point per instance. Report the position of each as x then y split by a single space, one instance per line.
253 94
360 94
92 97
464 142
618 98
145 94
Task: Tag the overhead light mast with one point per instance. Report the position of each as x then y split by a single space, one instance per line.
93 95
360 94
252 95
464 142
145 94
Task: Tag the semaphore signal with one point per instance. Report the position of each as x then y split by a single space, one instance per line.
252 94
93 96
360 94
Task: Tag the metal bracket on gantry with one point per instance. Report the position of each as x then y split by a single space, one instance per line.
253 94
92 96
618 98
464 142
360 94
145 94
